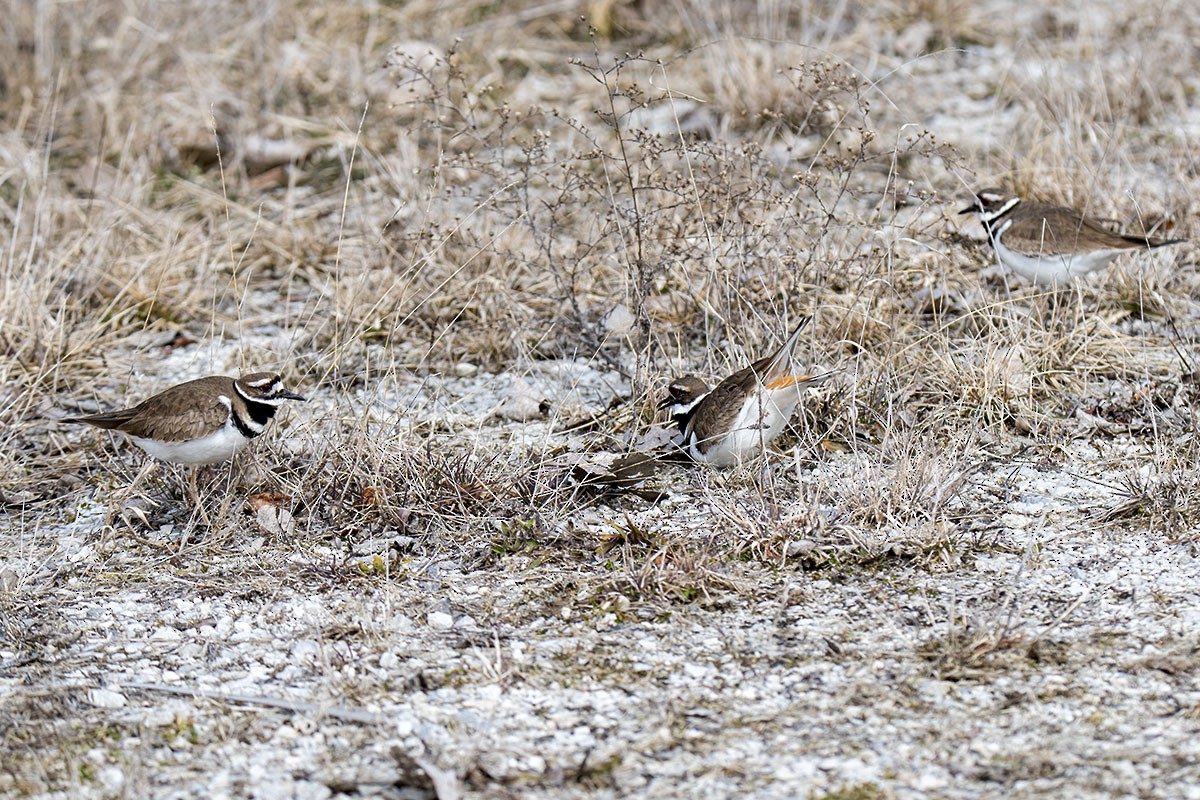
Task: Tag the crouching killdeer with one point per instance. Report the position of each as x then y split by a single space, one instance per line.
744 413
1048 244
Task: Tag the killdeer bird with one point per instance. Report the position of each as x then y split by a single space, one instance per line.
1048 244
204 421
744 413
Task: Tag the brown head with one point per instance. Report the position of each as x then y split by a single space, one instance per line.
683 395
991 203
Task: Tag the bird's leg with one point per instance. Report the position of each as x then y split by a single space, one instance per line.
196 496
230 481
193 486
198 512
120 497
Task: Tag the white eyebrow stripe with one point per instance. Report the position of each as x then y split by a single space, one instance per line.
999 212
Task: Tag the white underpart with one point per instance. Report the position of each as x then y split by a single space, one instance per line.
221 445
1047 269
763 417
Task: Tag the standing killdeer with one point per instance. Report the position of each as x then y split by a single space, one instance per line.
1048 244
744 413
204 421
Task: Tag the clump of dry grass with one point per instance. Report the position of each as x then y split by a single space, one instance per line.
1163 492
482 231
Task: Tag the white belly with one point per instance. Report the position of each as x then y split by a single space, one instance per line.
762 419
211 449
1054 270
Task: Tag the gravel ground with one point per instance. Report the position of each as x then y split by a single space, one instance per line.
1056 659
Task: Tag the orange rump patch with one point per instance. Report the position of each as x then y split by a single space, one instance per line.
788 380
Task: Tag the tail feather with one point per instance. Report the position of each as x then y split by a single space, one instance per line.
779 366
1150 242
109 421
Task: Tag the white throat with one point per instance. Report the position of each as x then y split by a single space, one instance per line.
683 409
994 214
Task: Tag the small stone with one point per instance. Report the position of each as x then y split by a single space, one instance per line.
440 620
801 548
311 790
159 717
275 520
8 579
306 651
522 402
619 320
105 698
465 369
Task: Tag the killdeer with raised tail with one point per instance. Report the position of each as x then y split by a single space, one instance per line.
1048 244
204 421
737 419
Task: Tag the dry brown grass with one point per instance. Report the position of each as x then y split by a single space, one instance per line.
423 214
438 203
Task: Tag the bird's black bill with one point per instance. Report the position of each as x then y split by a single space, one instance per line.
286 395
972 209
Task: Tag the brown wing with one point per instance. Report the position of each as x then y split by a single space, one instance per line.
176 416
1056 230
173 415
721 407
1097 232
716 413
